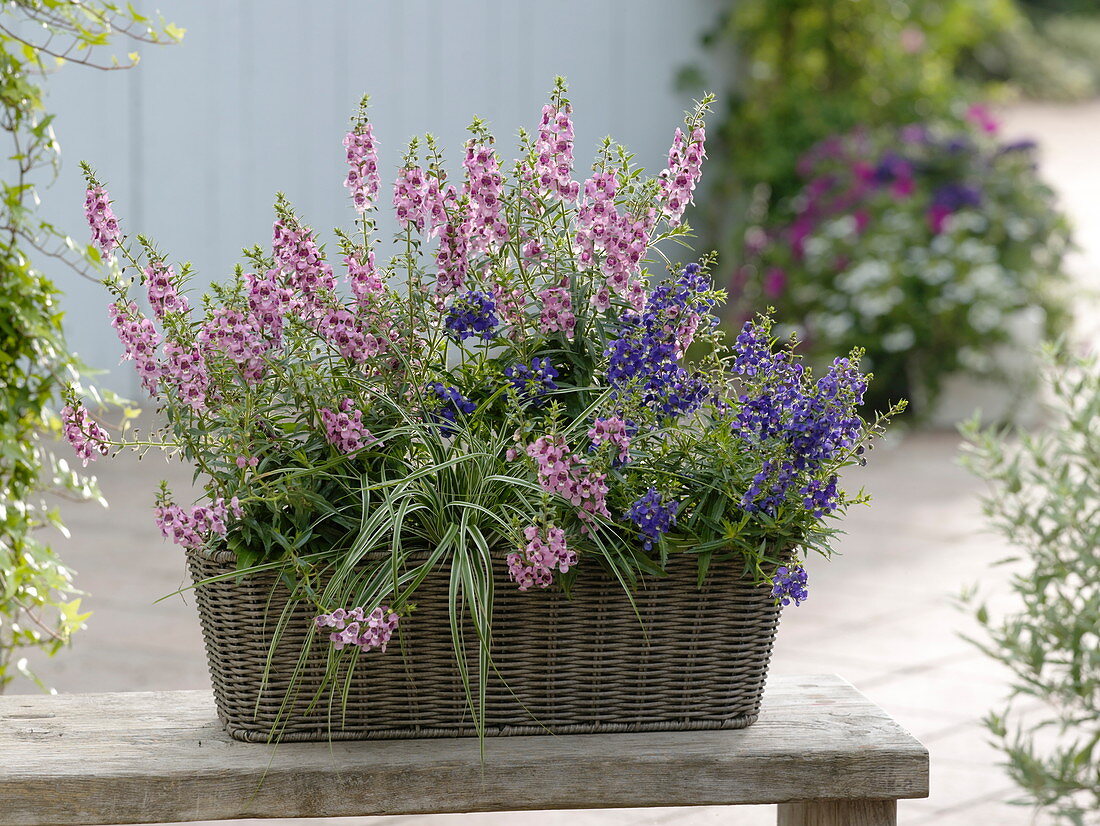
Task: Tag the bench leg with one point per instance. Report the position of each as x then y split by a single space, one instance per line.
839 813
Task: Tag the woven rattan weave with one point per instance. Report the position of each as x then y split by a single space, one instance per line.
580 665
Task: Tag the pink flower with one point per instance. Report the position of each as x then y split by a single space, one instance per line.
452 263
269 304
612 431
534 564
554 154
302 263
88 439
623 239
366 631
237 336
685 168
140 340
163 295
485 227
101 219
362 180
343 331
194 528
775 281
344 429
366 284
185 371
557 312
562 473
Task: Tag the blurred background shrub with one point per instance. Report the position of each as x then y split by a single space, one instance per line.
930 245
936 271
1050 51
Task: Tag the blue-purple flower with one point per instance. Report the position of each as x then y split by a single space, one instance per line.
801 426
449 404
646 355
790 584
653 516
532 381
473 313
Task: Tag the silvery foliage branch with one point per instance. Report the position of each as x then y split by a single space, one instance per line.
1044 498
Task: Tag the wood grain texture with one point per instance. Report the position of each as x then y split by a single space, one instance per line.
839 813
162 756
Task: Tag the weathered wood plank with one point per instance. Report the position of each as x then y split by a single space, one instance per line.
142 757
839 813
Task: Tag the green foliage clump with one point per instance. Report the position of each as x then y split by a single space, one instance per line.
38 604
1044 498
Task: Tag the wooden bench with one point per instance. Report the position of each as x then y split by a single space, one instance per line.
821 751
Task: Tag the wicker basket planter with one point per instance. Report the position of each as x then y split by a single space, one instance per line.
580 665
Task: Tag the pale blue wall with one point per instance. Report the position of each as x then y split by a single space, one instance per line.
195 142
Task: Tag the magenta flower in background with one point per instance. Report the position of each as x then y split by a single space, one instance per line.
982 116
775 281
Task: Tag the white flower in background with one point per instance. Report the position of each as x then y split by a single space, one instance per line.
984 317
1025 326
959 293
831 327
943 244
871 305
815 249
986 278
899 222
843 228
864 276
1018 229
977 251
807 294
889 245
938 272
897 340
974 360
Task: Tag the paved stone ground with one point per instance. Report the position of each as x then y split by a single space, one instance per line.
881 613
